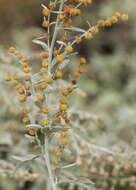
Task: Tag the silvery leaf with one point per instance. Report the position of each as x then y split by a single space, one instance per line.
25 158
52 23
34 126
64 64
76 29
61 42
29 137
72 54
43 6
88 23
70 165
57 12
36 78
56 129
43 44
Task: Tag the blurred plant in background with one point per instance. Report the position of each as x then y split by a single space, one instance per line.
110 91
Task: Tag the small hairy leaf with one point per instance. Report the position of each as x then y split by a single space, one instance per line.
25 158
43 44
76 29
64 64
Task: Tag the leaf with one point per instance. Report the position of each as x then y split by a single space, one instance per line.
85 181
25 158
29 137
43 44
52 23
43 6
36 78
36 126
76 29
61 43
55 129
70 165
57 12
63 64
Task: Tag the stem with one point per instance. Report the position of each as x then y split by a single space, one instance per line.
54 36
46 147
47 159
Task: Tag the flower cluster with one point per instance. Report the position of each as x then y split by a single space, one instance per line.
45 112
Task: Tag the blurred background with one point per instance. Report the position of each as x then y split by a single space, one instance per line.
109 81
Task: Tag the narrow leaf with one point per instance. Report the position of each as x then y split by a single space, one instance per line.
43 44
64 64
25 158
76 29
61 43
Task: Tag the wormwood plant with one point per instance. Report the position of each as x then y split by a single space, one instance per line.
44 95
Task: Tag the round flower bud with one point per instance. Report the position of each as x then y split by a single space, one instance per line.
94 30
45 110
101 22
75 12
24 111
69 49
78 39
117 14
14 82
58 74
20 91
89 36
61 17
45 11
45 23
63 107
48 79
42 86
64 142
44 122
43 70
52 5
63 100
60 58
12 50
58 153
7 78
108 23
32 132
56 120
55 163
82 60
114 19
64 134
40 98
124 17
27 86
81 69
44 54
75 74
26 69
26 120
65 92
22 99
45 64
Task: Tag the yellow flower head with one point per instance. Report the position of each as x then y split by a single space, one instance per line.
60 58
48 79
69 49
46 12
44 122
32 132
